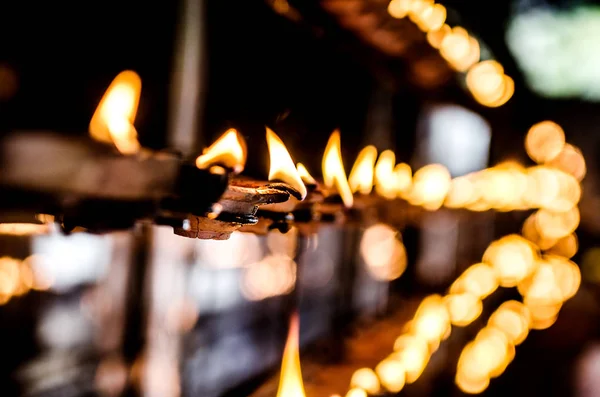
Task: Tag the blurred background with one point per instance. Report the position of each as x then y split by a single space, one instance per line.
145 312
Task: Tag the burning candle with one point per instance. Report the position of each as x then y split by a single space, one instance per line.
334 174
113 119
361 175
228 151
282 167
290 383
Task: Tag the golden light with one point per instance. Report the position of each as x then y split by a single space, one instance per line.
513 258
513 319
556 225
383 252
391 375
567 275
228 151
362 173
566 247
305 175
508 92
463 308
487 356
334 175
571 161
402 178
399 8
488 83
503 187
432 321
462 193
356 392
24 229
413 353
479 279
432 17
471 386
385 184
9 277
113 119
435 37
430 186
459 49
290 381
366 379
282 167
544 141
544 187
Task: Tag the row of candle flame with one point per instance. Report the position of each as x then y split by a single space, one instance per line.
486 79
536 263
552 185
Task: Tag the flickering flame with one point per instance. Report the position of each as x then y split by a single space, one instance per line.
113 119
282 167
305 175
229 151
334 174
290 382
361 176
384 175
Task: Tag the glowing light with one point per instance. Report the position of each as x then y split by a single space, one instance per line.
435 37
334 174
385 184
305 175
399 8
513 258
362 173
463 308
391 375
544 141
513 319
113 119
430 186
413 353
479 279
228 151
290 382
282 167
383 253
366 379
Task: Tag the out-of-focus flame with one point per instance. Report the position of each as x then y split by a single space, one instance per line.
361 176
305 175
399 8
334 174
290 382
544 141
385 184
489 85
282 167
435 37
229 151
113 119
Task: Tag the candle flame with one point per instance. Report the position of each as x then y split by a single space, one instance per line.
113 119
305 175
361 176
334 174
290 382
385 183
282 167
229 151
